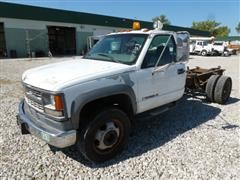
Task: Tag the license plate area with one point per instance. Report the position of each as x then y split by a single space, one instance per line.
45 136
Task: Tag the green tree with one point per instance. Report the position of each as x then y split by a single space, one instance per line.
211 26
238 28
163 19
221 31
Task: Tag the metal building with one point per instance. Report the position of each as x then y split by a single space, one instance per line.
26 29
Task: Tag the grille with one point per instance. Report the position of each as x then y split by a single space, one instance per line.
34 98
33 92
34 104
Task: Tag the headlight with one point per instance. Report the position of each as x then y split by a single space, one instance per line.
53 104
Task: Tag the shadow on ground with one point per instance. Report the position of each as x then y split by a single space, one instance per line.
154 132
232 100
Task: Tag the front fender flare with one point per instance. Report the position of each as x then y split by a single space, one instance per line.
85 98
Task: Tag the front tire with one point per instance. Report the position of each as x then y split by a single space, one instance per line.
204 53
105 136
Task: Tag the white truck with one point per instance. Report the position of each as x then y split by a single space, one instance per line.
221 48
92 102
201 47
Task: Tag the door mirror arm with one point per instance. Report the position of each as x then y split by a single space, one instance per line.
161 68
162 52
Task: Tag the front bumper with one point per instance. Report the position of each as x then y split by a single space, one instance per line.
50 135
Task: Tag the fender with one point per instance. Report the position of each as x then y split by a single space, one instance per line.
85 98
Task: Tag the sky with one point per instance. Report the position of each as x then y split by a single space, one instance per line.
179 12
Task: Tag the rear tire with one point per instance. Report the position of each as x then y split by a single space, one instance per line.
105 136
210 87
223 89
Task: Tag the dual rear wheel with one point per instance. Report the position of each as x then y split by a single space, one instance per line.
218 89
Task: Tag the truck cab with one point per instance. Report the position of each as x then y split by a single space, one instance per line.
91 102
201 47
220 48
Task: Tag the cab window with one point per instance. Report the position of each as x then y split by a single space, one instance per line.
205 43
156 48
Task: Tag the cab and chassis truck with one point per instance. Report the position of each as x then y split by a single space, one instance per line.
92 102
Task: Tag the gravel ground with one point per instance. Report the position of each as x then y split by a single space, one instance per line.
195 140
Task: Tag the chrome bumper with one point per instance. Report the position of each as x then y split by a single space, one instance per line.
56 138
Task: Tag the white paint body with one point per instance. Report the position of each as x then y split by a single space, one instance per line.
200 46
219 46
77 77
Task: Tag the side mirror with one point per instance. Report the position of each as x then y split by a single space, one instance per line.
183 46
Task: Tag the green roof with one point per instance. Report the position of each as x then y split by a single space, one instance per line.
10 10
229 38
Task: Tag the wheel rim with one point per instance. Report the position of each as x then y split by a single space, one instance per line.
108 136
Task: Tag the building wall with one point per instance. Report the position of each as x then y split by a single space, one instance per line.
15 41
17 31
81 38
24 41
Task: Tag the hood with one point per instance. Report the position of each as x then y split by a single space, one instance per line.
54 77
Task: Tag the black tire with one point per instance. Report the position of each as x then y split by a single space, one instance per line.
216 53
223 89
204 53
226 53
113 139
210 87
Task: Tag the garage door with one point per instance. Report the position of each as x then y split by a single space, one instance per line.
62 40
2 41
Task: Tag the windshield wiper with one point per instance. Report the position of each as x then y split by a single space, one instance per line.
110 57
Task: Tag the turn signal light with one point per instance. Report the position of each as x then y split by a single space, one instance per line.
59 105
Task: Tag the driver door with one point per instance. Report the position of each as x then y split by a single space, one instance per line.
161 79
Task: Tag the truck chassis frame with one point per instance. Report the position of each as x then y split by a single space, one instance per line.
197 78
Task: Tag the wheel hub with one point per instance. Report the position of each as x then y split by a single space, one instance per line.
107 136
110 138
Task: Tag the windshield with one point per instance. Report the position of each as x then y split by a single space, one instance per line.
119 48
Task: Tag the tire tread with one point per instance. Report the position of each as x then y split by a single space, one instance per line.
218 92
210 87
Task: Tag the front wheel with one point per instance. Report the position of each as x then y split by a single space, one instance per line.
105 136
204 53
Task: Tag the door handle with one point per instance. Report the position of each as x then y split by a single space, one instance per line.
181 71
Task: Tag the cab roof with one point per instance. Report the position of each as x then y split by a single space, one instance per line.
143 31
